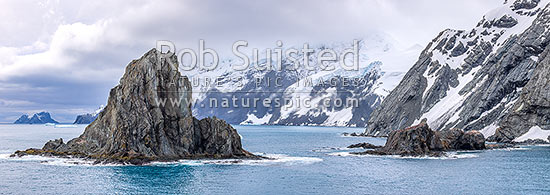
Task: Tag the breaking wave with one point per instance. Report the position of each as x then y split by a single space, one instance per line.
57 161
330 149
274 159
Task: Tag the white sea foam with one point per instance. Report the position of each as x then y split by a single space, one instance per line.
274 159
448 155
330 149
513 148
7 151
4 156
349 135
57 161
343 154
65 126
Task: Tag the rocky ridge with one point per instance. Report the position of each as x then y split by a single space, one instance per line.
479 79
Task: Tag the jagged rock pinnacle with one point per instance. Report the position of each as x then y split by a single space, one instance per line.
148 117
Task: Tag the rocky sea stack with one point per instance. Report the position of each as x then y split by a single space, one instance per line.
148 118
420 140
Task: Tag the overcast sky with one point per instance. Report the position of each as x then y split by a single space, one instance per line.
64 56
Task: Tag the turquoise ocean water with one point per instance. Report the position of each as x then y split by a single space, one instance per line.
307 160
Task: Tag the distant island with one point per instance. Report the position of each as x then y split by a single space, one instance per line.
88 118
37 118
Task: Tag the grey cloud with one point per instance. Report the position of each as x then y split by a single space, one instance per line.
131 29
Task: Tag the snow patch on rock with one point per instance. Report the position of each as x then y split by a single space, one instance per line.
534 133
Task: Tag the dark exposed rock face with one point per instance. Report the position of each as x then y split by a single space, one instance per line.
136 127
525 4
471 140
413 141
457 139
450 137
533 106
420 140
477 85
505 22
38 118
53 144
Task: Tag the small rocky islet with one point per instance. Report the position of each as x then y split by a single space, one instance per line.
421 140
135 129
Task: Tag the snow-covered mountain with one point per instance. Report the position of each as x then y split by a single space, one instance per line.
88 117
488 78
37 118
301 92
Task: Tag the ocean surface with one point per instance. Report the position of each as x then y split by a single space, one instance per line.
308 160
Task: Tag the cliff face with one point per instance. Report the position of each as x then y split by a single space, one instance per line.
472 79
532 108
148 117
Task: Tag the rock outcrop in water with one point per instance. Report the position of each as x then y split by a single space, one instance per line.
421 140
148 118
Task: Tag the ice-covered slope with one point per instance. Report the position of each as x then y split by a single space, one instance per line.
381 67
470 79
